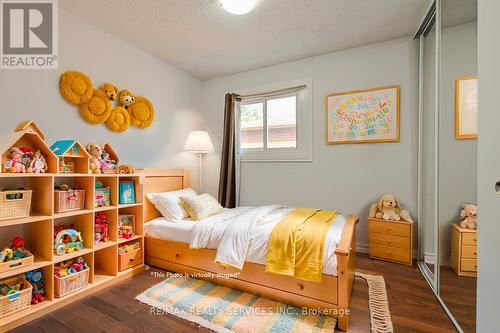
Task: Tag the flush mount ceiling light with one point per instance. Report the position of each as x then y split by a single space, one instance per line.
238 7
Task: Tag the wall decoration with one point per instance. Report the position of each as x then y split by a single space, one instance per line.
98 109
118 110
466 110
75 87
363 116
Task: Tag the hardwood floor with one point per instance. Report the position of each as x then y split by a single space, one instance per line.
413 307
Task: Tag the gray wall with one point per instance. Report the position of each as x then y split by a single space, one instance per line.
488 288
34 94
347 178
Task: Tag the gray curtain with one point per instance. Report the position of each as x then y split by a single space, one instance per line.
227 180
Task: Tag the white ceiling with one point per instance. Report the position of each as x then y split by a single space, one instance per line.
201 38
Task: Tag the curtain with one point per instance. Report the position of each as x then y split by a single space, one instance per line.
228 165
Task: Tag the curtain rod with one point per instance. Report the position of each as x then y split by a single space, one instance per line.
272 92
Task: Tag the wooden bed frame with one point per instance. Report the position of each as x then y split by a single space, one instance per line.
331 296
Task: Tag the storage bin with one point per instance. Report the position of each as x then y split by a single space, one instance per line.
70 283
17 301
129 259
15 264
65 201
15 204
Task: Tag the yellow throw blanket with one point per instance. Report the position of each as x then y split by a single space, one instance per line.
296 244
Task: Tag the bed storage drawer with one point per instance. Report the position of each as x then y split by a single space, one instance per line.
203 259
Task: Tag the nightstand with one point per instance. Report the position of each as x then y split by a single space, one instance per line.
391 240
463 251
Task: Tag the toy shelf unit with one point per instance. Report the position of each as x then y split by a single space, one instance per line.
38 227
72 156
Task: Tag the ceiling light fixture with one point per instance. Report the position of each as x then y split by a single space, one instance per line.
238 7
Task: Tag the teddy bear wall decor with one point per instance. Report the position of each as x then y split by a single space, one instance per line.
468 216
106 105
388 208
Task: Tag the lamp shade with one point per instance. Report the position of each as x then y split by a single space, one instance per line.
199 142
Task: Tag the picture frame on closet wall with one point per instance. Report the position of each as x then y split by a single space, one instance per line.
466 108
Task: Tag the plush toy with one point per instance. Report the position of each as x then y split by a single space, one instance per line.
468 216
126 98
38 163
110 90
14 162
98 109
126 169
95 152
7 254
36 280
388 208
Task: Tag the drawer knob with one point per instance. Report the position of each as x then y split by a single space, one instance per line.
300 286
389 242
131 259
475 266
177 255
389 229
475 253
388 252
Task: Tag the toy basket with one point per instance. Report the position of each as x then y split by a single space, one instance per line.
15 204
15 264
67 284
17 301
65 201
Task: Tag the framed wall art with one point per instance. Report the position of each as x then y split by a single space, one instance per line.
466 111
363 116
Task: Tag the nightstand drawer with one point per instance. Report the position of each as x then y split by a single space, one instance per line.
389 240
469 265
389 252
469 238
390 228
469 251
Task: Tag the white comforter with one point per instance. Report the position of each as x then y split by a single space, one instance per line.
242 234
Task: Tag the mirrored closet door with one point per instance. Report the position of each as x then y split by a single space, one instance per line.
448 157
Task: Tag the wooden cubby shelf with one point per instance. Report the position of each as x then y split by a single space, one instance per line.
38 232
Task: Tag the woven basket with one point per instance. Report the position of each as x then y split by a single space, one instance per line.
70 283
15 204
65 201
17 301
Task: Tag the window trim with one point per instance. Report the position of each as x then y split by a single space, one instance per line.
303 150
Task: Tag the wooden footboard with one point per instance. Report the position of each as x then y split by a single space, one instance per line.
331 295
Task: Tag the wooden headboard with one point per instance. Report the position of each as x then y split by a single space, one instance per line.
160 180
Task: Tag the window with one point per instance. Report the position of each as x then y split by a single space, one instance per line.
275 126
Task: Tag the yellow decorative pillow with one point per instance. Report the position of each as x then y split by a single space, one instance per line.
201 206
98 109
142 112
75 87
119 120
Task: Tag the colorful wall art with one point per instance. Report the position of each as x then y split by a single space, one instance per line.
363 116
466 112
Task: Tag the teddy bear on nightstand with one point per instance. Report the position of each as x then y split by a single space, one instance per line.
468 216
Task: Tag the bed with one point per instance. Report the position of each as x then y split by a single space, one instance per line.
167 247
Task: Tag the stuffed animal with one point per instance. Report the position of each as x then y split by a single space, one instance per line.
38 163
126 98
468 216
110 90
14 162
388 208
125 169
95 152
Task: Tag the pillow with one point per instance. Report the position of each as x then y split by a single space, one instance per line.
201 206
168 203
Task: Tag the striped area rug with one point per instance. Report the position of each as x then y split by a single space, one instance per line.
224 309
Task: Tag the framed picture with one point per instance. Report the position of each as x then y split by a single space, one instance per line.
466 111
127 192
363 116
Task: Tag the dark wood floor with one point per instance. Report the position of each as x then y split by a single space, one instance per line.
412 304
